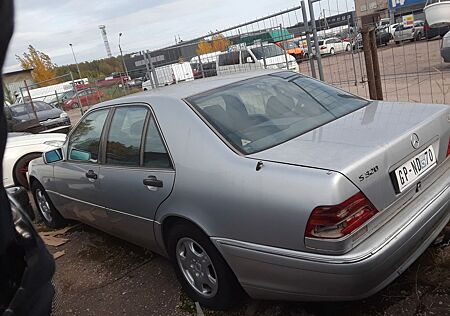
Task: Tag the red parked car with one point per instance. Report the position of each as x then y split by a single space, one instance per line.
86 97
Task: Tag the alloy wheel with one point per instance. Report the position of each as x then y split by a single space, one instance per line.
197 267
43 205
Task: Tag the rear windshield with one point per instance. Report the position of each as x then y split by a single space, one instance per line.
260 113
267 51
321 42
26 108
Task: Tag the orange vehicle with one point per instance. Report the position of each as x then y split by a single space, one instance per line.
292 48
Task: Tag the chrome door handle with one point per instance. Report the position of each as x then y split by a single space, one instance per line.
91 175
152 181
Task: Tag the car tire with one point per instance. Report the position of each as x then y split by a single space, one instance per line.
348 48
397 42
201 268
75 106
49 214
21 169
332 52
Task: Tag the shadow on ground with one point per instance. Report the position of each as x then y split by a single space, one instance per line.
102 275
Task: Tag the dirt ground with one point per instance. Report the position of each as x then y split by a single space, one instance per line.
102 275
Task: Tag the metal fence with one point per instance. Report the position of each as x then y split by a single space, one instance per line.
411 69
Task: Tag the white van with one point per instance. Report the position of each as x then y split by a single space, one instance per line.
171 74
247 58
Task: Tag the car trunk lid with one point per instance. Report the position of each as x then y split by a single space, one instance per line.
368 145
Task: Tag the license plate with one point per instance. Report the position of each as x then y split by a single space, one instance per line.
414 168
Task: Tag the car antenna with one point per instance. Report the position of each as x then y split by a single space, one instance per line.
259 165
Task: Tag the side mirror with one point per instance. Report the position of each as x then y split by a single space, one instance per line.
80 155
249 60
52 156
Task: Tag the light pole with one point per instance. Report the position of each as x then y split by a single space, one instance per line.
76 63
123 60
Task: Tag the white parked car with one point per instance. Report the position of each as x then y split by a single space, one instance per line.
333 45
445 49
21 148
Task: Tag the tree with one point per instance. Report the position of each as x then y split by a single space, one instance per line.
218 43
43 68
9 97
204 47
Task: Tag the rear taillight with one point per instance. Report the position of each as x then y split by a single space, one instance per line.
448 148
336 221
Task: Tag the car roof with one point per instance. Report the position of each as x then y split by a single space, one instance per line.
186 89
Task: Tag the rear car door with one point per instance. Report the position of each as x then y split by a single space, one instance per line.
137 174
77 184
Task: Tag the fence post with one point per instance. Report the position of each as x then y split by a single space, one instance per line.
201 65
368 59
31 100
316 40
152 67
57 99
376 65
264 54
76 93
282 41
308 40
148 74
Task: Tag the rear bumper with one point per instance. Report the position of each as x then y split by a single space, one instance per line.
280 274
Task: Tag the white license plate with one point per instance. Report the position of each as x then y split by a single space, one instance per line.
414 168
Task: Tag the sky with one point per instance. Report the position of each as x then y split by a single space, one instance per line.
51 25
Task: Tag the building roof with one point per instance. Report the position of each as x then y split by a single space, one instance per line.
12 73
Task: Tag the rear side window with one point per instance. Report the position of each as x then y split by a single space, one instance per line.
155 153
85 140
124 137
228 59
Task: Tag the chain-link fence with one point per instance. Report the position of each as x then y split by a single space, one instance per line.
411 66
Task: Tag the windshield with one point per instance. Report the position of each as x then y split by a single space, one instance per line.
260 113
68 94
267 51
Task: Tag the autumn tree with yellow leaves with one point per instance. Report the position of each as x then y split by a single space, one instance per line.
218 43
43 68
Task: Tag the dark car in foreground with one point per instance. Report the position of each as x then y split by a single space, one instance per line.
272 183
36 116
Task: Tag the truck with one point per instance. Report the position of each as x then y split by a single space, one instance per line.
169 74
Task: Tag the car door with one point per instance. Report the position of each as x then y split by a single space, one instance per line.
137 174
76 181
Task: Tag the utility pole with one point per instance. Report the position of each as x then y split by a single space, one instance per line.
75 59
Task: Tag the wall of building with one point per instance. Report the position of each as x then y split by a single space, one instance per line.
15 80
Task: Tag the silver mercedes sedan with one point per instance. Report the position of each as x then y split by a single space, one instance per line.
270 184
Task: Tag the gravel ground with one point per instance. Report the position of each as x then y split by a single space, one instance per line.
102 275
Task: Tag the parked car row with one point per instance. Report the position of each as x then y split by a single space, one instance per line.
268 183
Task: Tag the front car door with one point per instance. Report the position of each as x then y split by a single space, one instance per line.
76 181
137 174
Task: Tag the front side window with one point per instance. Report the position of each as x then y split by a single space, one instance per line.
155 153
84 141
263 112
124 137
